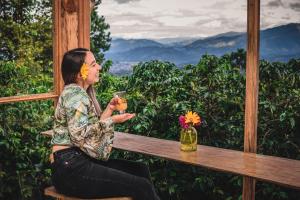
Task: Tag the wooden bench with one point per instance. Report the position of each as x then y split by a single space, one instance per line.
277 170
50 191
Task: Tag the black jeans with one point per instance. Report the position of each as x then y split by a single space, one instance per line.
76 174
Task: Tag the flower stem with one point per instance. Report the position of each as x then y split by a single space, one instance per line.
190 135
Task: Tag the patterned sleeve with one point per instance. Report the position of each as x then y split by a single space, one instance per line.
91 135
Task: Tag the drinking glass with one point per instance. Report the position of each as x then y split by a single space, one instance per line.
122 101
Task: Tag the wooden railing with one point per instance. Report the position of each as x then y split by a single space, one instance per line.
29 97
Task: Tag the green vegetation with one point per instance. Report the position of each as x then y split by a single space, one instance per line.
215 88
158 92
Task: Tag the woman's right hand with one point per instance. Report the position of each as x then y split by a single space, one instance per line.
122 117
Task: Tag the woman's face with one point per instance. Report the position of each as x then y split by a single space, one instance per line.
94 68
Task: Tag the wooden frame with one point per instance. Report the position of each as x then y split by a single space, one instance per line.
51 191
31 97
72 29
252 83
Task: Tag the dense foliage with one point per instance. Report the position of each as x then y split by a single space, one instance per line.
158 92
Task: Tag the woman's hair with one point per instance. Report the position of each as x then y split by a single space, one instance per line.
70 67
71 64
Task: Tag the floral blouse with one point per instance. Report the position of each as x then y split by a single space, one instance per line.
76 124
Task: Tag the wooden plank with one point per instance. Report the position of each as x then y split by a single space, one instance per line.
30 97
70 25
51 191
252 81
71 30
57 49
84 10
252 77
248 188
277 170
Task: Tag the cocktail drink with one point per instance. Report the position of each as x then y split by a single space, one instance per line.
122 101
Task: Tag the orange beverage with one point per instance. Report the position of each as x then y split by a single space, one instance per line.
122 105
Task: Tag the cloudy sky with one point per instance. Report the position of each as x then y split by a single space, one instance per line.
190 18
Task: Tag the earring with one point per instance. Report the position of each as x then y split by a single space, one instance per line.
84 70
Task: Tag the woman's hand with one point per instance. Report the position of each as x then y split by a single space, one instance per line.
110 108
112 104
122 117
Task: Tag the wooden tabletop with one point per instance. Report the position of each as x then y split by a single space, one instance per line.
277 170
268 168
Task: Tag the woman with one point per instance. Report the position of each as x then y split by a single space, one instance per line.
83 136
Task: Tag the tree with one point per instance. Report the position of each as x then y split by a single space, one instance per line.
100 36
26 33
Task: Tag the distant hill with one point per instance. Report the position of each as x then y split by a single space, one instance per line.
277 44
122 45
281 43
176 41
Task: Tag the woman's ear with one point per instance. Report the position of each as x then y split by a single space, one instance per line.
78 77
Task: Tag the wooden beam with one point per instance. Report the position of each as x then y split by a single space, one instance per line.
30 97
84 16
71 30
252 81
57 54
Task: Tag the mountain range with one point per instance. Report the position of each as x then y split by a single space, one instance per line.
276 44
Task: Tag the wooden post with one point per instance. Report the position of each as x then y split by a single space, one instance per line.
71 29
252 83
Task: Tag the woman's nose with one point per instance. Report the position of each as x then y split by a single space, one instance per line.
99 67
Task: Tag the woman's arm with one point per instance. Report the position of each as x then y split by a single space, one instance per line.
91 135
111 107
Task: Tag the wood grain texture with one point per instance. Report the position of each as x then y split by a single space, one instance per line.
268 168
277 170
51 191
248 188
57 46
30 97
252 77
252 84
71 30
84 19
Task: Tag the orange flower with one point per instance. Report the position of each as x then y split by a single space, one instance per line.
192 117
84 71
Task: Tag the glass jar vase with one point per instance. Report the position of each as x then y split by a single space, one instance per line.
188 139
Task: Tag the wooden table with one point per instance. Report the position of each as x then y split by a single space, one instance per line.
272 169
277 170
